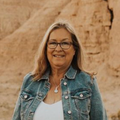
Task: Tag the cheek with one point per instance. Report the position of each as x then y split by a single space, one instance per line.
49 54
72 53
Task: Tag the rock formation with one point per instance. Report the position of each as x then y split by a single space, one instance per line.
23 25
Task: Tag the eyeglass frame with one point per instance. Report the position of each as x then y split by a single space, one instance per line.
70 43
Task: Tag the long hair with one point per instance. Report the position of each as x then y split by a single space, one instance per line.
41 62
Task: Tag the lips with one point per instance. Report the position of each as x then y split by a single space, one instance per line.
59 56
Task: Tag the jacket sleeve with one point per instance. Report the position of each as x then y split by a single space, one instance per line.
17 110
97 111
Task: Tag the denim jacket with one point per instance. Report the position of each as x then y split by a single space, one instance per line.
81 99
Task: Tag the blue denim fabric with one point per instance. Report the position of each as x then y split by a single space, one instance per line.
81 97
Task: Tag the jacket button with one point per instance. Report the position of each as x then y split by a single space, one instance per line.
65 83
40 94
81 95
25 96
69 112
66 97
32 113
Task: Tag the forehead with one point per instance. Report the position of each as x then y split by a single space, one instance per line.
60 33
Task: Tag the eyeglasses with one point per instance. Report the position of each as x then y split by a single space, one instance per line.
63 45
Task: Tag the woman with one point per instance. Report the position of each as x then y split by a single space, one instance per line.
59 88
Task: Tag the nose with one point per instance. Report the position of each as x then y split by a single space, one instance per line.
58 47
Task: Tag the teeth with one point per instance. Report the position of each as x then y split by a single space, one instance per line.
58 56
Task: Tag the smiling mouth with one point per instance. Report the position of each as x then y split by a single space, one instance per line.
59 56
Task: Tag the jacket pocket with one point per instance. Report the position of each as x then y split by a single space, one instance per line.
81 98
26 100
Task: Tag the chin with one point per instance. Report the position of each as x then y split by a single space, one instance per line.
59 65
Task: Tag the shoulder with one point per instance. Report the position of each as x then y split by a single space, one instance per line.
28 78
84 77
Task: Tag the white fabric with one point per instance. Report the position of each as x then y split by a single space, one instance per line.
49 111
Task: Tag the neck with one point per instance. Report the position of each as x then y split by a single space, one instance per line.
58 72
57 75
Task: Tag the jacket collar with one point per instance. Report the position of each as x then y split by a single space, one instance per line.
70 74
45 76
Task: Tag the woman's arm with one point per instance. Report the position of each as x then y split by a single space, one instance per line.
17 110
97 108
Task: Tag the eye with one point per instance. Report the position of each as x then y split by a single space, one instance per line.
52 43
65 43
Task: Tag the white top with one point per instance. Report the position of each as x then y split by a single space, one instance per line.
49 111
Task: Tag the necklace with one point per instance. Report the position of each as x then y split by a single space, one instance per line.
56 89
56 86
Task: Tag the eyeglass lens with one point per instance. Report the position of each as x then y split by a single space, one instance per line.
63 45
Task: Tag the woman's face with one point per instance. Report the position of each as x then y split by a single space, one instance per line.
59 57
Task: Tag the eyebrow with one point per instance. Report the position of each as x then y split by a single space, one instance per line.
56 40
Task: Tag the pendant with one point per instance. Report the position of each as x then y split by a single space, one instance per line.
56 90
